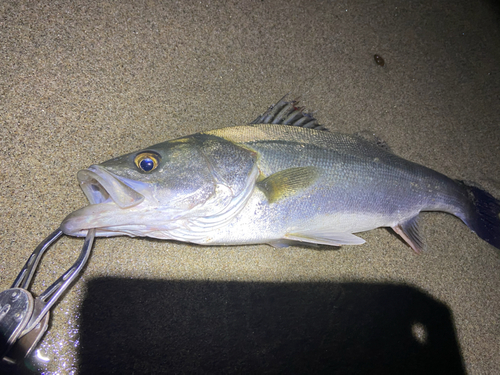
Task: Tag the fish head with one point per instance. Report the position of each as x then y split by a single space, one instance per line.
158 191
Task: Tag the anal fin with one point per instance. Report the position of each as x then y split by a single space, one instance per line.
410 233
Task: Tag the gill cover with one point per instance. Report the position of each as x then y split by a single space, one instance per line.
230 164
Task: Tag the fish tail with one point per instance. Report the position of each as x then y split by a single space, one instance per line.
484 215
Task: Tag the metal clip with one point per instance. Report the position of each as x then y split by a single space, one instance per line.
23 318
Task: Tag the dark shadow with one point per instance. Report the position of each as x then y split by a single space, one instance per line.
153 327
494 6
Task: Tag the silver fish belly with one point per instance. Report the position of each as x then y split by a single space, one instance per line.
275 183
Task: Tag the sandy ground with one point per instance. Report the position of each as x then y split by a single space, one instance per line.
84 81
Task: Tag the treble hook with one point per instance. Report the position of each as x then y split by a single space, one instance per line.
23 318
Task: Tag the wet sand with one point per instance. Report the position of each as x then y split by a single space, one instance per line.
85 81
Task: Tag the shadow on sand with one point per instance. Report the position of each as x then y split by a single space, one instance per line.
150 327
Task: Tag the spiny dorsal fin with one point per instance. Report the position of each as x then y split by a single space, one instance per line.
287 113
288 182
410 233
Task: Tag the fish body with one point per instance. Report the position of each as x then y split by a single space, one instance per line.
272 183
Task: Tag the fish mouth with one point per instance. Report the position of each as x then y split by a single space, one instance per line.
113 199
101 186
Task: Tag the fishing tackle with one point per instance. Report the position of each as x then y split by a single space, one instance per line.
23 317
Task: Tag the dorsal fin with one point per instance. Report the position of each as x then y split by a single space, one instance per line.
373 138
287 113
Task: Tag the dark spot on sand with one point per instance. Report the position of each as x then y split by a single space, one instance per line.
379 60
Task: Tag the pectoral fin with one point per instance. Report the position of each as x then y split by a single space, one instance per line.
288 182
410 233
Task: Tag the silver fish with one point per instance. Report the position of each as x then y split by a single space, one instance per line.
279 180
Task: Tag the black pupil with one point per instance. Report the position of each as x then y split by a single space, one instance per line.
147 164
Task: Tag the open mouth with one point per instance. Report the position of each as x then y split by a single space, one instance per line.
100 186
112 210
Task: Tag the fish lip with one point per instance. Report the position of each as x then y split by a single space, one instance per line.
101 186
111 197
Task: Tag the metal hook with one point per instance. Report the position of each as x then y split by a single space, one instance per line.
24 319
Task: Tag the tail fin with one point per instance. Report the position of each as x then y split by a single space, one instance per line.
484 219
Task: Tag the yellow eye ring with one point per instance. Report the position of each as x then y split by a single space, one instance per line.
147 161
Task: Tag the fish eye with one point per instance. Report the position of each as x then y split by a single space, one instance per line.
147 161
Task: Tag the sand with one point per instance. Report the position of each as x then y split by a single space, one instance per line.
84 81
